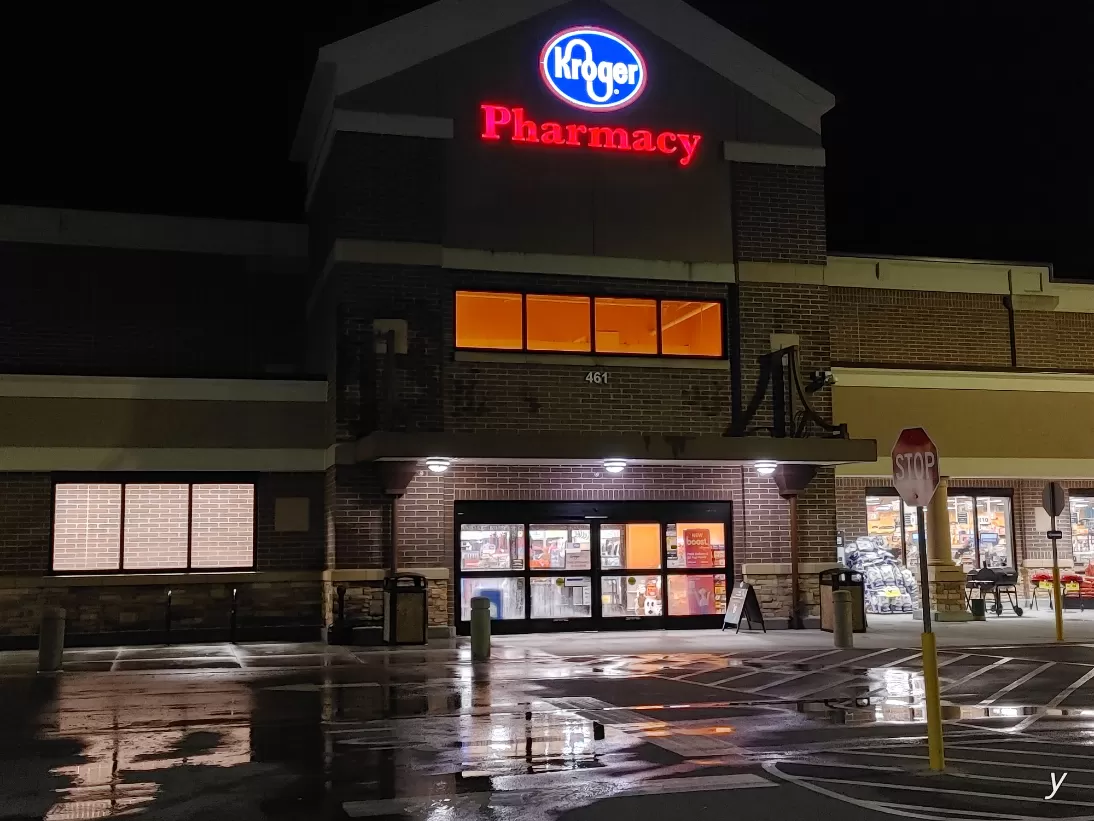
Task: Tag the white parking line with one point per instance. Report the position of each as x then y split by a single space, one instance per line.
796 676
1071 688
976 673
986 762
1017 683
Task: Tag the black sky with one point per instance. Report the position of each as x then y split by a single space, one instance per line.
961 129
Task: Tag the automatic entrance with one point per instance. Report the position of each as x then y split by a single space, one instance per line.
556 566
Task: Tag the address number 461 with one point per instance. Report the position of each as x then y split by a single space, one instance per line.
597 377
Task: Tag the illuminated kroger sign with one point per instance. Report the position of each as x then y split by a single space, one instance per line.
593 69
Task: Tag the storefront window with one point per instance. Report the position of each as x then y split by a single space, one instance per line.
885 518
506 597
696 545
489 320
558 323
631 596
635 546
560 547
492 547
980 531
558 597
626 326
993 530
1082 523
691 328
700 595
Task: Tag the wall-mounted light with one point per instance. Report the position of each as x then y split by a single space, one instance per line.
438 464
765 467
615 465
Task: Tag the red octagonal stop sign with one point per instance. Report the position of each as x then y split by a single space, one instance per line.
915 467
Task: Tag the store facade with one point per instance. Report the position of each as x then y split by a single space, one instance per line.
562 330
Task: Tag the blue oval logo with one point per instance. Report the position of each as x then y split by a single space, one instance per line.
593 69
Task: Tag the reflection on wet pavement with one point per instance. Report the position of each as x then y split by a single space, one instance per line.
291 731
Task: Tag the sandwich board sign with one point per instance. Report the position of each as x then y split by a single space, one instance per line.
743 604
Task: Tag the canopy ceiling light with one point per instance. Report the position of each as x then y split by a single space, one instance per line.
438 464
615 465
765 467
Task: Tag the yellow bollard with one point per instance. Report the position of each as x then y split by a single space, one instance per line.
934 707
1057 599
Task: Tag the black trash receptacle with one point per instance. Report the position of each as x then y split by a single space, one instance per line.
406 616
850 580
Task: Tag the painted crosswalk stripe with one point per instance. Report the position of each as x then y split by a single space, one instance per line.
1056 700
794 677
976 673
1017 683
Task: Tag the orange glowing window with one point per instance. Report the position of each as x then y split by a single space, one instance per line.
691 328
487 320
626 326
558 323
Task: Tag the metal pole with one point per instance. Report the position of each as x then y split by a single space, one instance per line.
935 744
1057 599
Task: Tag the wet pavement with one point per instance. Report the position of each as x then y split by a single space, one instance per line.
278 731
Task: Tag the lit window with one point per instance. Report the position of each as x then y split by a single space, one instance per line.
558 323
156 527
691 328
626 326
1082 526
488 320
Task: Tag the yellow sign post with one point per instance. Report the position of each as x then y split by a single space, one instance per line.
1052 499
915 477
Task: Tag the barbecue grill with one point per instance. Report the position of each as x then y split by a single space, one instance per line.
995 582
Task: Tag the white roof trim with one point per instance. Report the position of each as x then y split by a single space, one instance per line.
446 25
774 154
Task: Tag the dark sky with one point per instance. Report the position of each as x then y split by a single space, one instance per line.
961 129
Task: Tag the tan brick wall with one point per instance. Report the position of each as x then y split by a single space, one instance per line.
87 527
222 525
875 326
156 521
1054 340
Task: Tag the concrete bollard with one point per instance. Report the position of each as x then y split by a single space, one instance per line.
51 640
842 632
480 628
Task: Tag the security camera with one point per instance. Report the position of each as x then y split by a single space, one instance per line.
820 379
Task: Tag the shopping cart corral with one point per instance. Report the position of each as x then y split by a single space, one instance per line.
994 583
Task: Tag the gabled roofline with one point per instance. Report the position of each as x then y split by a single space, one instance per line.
446 25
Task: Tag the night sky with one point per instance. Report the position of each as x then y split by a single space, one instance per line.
962 129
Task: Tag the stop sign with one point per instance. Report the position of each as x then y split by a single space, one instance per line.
915 467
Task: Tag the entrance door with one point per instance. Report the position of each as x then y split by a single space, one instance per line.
554 566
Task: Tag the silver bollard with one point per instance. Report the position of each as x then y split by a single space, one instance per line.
480 628
842 632
51 640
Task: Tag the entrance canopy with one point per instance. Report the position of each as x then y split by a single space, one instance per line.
585 448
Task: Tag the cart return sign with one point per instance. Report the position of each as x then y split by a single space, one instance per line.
915 467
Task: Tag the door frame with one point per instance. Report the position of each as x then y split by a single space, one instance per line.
593 514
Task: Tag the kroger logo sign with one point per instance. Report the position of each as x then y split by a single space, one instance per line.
593 69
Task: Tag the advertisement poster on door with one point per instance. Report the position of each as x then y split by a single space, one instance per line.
697 548
701 596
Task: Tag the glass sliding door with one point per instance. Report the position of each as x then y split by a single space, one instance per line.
588 566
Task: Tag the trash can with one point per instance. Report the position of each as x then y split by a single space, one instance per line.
839 579
979 611
405 609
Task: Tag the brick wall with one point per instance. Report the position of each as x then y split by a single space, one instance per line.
222 525
794 309
778 213
875 326
155 526
1054 340
291 550
360 520
25 504
111 312
87 532
380 187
